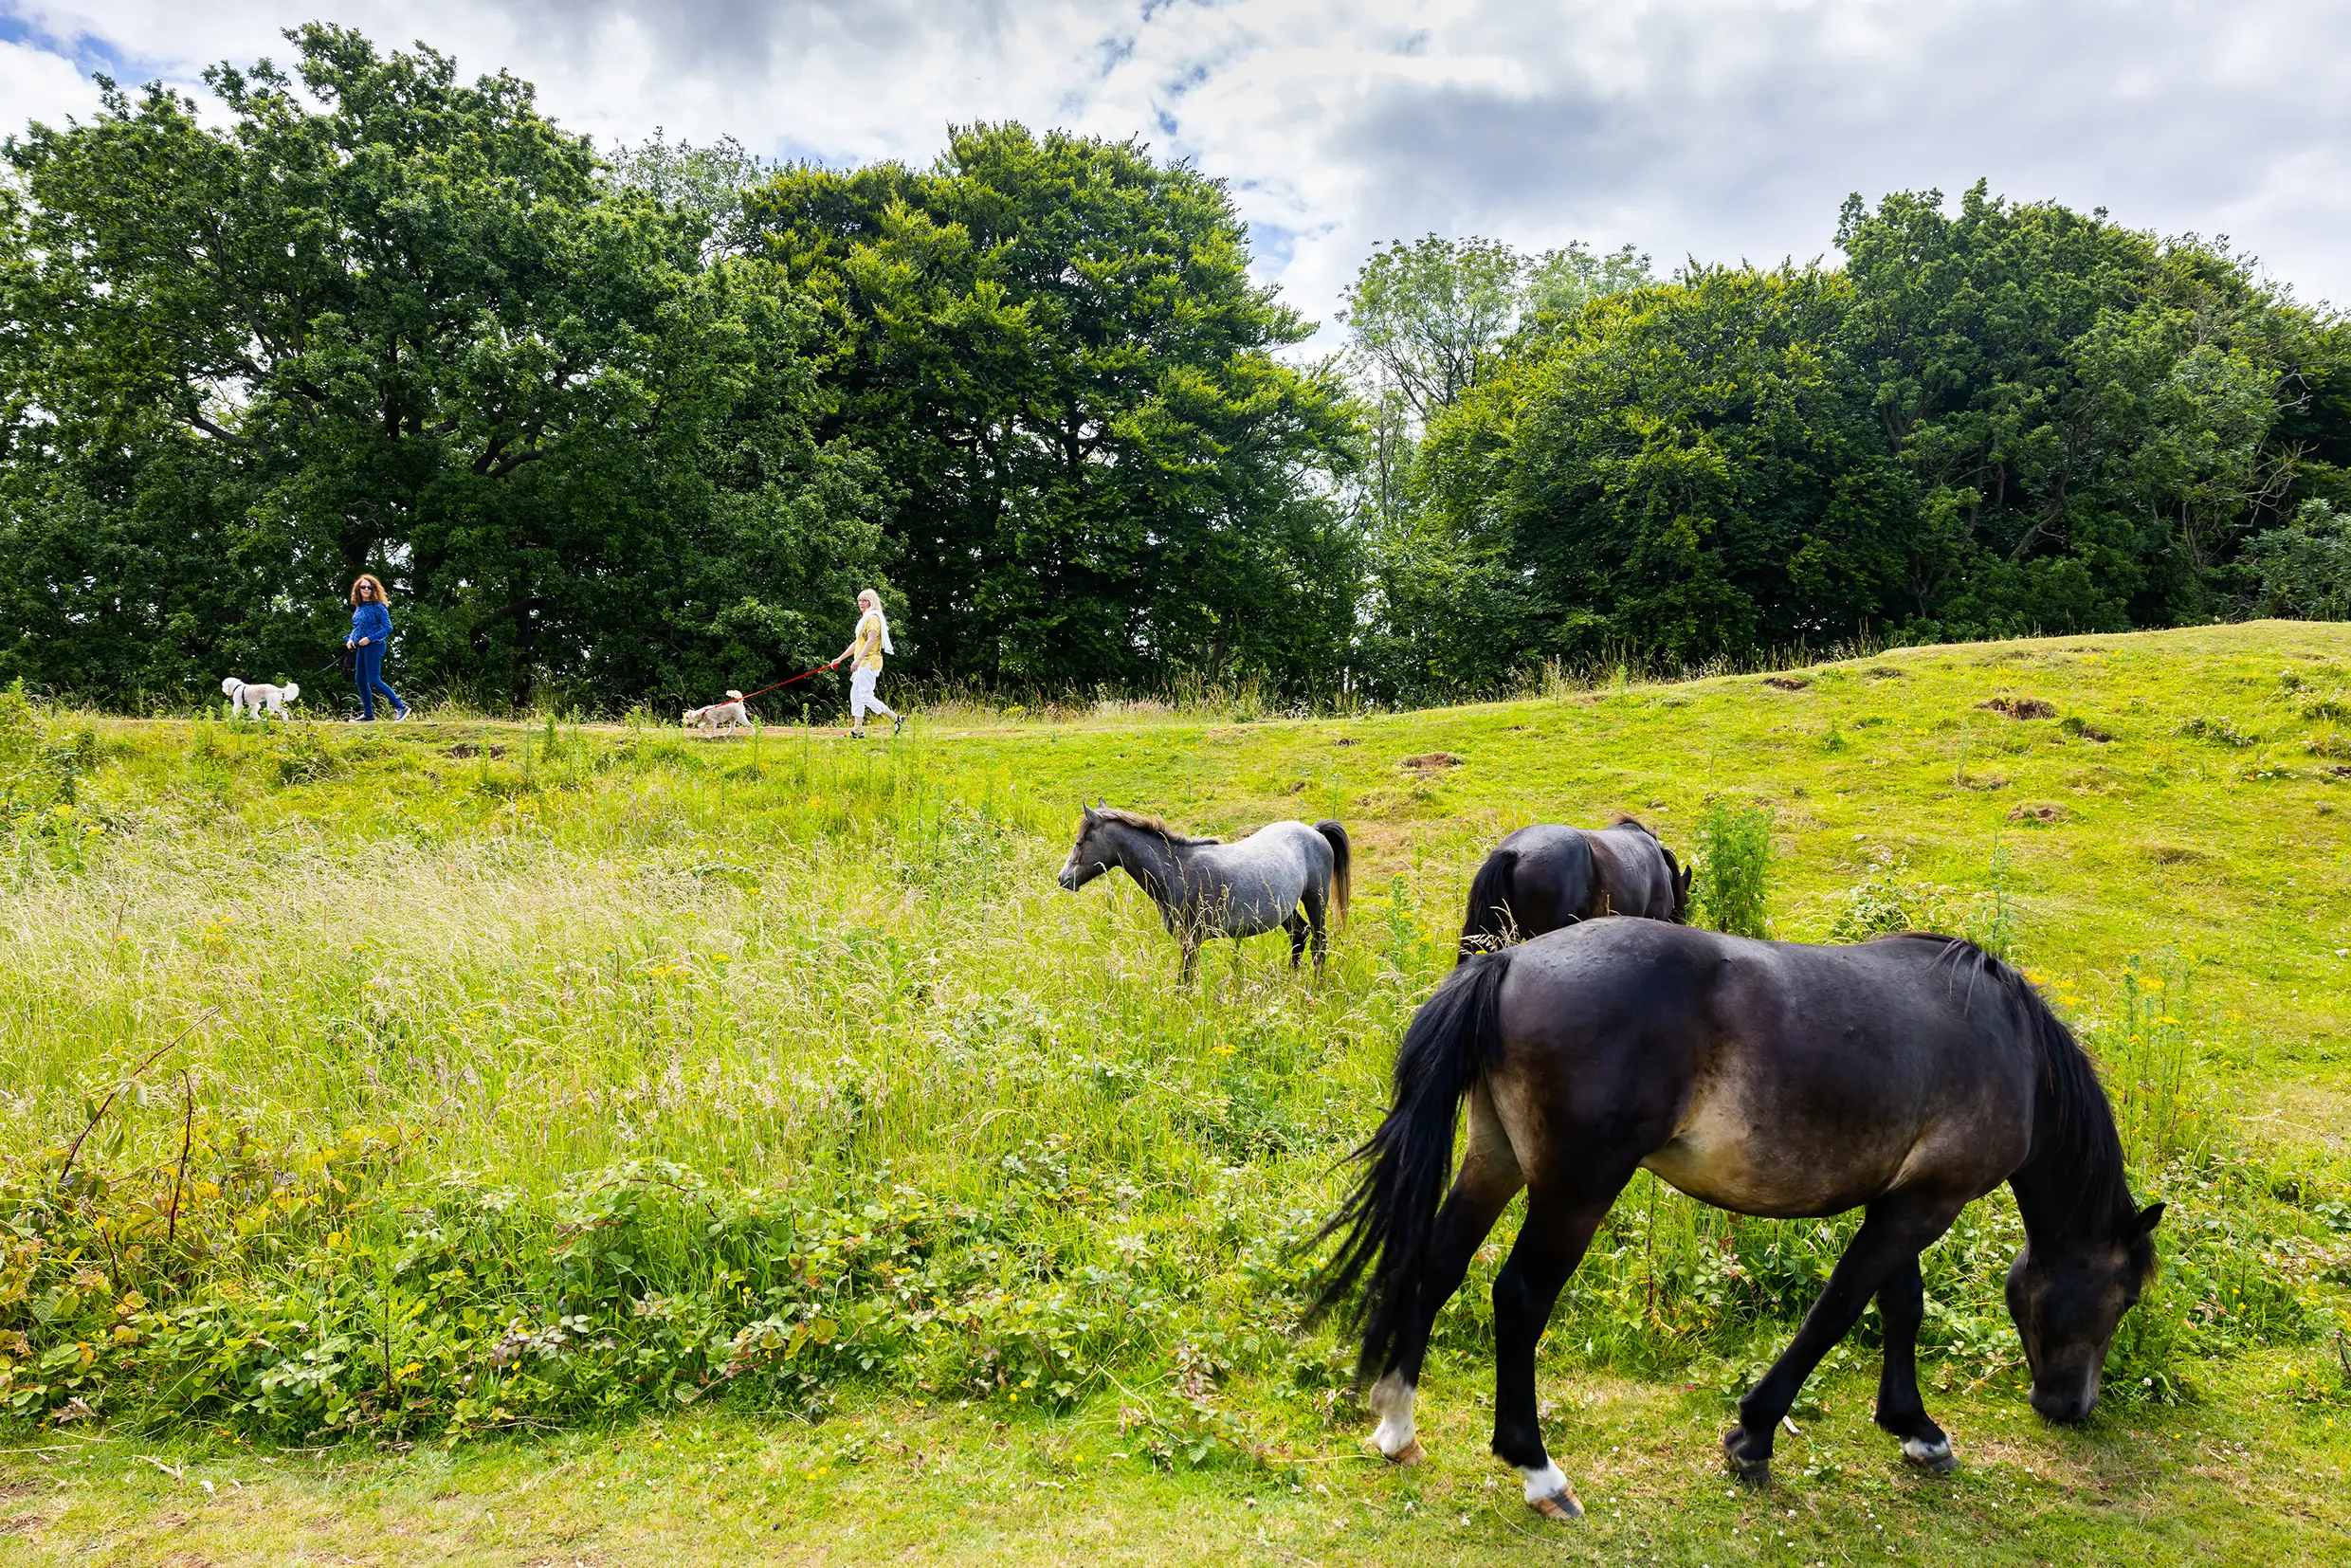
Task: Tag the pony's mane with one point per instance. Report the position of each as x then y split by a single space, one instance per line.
2081 1134
1150 825
1626 819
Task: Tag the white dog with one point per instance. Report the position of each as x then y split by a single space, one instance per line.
730 714
245 699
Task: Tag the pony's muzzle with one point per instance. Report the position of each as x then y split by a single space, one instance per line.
2065 1408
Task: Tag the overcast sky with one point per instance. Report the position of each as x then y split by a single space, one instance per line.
1704 128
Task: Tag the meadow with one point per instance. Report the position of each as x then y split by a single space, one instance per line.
551 1142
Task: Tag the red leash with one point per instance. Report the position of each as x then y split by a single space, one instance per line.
802 676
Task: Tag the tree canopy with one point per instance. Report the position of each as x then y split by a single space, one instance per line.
635 427
1103 469
2001 419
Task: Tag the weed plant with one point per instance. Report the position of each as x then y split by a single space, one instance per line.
1731 885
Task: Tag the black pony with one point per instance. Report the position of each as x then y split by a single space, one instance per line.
1544 877
1905 1076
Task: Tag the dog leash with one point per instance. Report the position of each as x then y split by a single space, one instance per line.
802 676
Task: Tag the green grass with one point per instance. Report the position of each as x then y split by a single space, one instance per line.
566 1105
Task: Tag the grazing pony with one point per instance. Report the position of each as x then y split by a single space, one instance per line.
1906 1077
1544 877
1285 875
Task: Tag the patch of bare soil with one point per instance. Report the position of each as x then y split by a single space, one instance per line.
2020 707
1430 761
2037 810
1786 683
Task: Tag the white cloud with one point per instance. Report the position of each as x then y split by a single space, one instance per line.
1705 128
36 84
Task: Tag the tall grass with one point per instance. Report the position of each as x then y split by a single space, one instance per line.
551 1074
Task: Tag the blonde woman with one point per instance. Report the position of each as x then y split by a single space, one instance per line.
371 629
864 655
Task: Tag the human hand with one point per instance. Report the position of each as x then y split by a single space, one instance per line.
348 643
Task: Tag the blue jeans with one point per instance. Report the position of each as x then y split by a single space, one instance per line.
368 665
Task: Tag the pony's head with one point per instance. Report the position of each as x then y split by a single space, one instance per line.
2067 1310
1090 857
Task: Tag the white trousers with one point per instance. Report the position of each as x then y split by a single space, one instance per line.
862 699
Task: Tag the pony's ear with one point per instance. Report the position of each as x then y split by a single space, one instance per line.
2149 1217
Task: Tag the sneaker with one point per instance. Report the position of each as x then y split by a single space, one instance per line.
403 713
857 734
898 724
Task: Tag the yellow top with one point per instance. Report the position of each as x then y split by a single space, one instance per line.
868 641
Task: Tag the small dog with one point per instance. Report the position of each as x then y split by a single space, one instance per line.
248 699
730 714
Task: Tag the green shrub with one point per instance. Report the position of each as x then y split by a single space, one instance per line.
1733 881
1890 899
2303 569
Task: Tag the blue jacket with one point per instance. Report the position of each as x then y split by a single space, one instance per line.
371 621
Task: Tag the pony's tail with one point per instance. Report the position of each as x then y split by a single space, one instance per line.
1487 926
1343 857
1386 1224
1679 875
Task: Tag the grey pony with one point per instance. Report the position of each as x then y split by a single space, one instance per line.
1285 876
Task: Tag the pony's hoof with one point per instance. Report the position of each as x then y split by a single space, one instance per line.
1560 1506
1755 1472
1936 1457
1410 1453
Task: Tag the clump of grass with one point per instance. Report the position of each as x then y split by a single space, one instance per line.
1731 886
2218 730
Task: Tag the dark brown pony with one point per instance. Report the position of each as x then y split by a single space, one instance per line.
1544 877
1905 1077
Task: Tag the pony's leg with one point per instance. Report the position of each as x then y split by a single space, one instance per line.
1558 1227
1889 1238
1489 1179
1902 1303
1295 926
1192 958
1316 902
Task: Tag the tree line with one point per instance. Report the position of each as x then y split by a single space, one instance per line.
2004 419
636 426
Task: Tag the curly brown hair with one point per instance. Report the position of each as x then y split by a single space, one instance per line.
370 580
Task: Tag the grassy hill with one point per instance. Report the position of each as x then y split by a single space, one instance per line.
595 1143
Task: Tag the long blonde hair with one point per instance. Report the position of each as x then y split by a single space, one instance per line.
369 578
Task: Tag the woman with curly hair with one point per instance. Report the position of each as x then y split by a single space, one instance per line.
371 629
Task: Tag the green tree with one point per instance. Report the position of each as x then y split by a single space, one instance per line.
1105 471
1688 471
2093 417
378 318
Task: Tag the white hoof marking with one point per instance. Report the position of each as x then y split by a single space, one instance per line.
1921 1453
1391 1397
1546 1482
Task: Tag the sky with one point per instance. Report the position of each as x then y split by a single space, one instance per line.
1718 130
